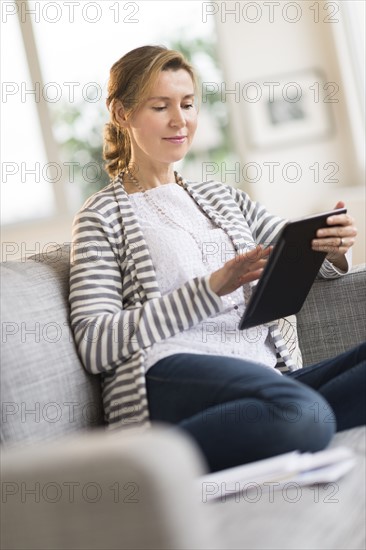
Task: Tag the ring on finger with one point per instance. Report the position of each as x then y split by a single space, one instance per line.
341 243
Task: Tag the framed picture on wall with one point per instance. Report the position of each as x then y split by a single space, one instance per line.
289 109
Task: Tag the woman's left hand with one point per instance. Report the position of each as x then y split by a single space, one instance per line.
336 238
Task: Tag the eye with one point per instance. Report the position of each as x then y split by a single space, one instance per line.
159 108
188 106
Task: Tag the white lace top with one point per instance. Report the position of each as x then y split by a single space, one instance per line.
184 243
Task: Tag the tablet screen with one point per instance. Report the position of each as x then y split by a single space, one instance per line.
289 273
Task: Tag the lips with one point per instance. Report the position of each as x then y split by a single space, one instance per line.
176 139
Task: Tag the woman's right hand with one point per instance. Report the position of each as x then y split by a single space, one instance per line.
242 269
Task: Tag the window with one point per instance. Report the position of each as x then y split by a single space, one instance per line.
76 44
25 194
355 16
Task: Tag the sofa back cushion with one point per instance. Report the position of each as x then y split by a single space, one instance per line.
45 391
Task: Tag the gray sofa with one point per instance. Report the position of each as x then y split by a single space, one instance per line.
68 484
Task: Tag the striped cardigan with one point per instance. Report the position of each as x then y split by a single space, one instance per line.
117 310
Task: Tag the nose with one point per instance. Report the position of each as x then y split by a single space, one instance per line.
178 119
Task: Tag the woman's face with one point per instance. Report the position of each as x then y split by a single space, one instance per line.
162 129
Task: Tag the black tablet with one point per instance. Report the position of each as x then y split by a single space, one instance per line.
289 273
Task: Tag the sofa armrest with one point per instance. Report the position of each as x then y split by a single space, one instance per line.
104 490
333 318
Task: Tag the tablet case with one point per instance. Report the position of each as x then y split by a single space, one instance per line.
289 274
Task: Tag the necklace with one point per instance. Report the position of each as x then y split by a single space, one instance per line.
157 207
179 180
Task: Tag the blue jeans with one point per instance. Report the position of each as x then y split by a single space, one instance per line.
238 411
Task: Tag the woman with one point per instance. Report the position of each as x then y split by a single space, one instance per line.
161 269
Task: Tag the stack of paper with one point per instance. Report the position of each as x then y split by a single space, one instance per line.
295 467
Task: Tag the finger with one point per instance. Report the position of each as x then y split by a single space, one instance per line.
339 244
246 257
328 249
267 251
252 254
260 264
252 271
338 239
250 276
340 219
248 267
348 230
255 254
326 244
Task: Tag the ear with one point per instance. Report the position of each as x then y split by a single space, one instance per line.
120 114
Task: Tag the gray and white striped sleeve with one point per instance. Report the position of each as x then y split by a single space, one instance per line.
265 228
105 333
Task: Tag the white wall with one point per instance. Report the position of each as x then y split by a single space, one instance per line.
272 48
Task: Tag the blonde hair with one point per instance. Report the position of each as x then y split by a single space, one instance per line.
131 79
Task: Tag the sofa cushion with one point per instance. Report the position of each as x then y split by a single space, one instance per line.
45 392
332 319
